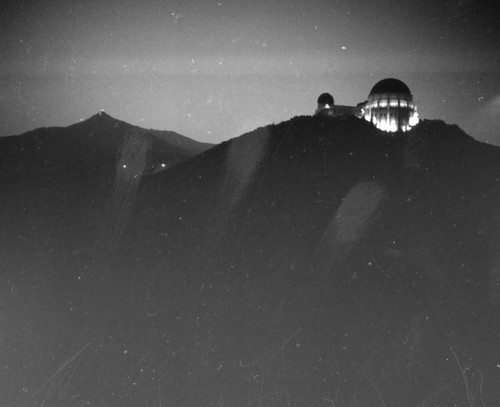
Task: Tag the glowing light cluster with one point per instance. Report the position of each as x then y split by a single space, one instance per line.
391 112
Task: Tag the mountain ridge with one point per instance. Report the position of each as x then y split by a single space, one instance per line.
98 139
165 135
104 119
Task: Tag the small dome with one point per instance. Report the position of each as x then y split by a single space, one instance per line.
325 99
390 85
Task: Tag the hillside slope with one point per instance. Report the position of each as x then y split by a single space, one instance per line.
352 252
313 262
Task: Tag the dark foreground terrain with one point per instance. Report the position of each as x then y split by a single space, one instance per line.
316 262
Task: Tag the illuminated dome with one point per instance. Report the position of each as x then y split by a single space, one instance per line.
390 106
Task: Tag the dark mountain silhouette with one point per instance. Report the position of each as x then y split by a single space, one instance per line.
94 140
314 262
59 184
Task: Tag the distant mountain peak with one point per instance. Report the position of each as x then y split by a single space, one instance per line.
102 119
102 115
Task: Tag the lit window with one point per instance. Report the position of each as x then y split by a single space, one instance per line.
383 103
393 126
413 119
403 103
382 125
393 103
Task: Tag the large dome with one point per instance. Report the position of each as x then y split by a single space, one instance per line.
390 86
390 106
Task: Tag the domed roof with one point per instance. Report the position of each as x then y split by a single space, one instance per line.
390 85
325 99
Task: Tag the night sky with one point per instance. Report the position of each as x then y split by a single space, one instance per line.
214 69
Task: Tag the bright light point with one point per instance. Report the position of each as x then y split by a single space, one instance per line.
343 47
163 165
124 165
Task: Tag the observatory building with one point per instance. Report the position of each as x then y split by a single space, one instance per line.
389 106
327 107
